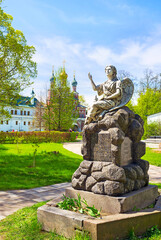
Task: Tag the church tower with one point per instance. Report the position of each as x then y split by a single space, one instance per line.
74 86
51 82
32 97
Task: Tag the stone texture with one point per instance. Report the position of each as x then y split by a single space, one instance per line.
130 172
112 188
100 144
97 166
138 150
77 173
126 152
144 165
82 180
114 173
118 226
86 164
136 130
62 221
129 185
99 176
111 130
108 227
139 199
75 183
90 182
98 188
112 150
139 171
131 177
85 171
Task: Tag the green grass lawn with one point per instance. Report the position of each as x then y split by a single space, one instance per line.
17 171
23 225
152 157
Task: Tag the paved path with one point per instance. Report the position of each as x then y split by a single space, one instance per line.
11 201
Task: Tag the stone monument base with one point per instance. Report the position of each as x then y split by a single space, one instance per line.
109 226
134 200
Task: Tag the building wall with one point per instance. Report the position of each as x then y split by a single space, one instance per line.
21 119
154 118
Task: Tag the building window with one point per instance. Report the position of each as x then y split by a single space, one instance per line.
16 122
21 112
15 112
24 123
28 123
12 112
7 122
28 113
24 112
1 122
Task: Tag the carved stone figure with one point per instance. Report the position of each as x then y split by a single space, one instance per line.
114 94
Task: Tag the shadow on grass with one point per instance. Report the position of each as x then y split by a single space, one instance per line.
2 147
17 171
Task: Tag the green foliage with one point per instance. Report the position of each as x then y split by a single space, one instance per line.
35 147
37 137
148 103
153 129
54 164
61 108
157 184
23 224
75 205
153 158
16 64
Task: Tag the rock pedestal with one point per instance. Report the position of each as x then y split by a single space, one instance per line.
112 149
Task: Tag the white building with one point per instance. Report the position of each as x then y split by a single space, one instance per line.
22 115
154 118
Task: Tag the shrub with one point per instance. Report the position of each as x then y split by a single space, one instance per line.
37 137
152 129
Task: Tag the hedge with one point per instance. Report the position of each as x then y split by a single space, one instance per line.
37 137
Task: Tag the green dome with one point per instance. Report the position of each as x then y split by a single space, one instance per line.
52 77
74 83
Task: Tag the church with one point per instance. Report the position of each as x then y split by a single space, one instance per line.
78 126
23 114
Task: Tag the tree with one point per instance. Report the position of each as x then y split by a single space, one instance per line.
60 111
16 64
83 101
149 102
149 81
38 117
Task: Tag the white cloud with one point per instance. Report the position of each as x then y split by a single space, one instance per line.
132 56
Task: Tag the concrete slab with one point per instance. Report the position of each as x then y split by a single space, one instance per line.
107 227
119 226
138 199
62 221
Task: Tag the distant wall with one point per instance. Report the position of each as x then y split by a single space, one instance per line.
154 118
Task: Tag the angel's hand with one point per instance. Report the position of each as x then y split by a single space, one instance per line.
90 76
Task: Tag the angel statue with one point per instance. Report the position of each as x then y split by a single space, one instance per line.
114 94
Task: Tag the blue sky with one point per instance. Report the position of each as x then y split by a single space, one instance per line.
88 35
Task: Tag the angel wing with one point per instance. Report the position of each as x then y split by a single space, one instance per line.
127 92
